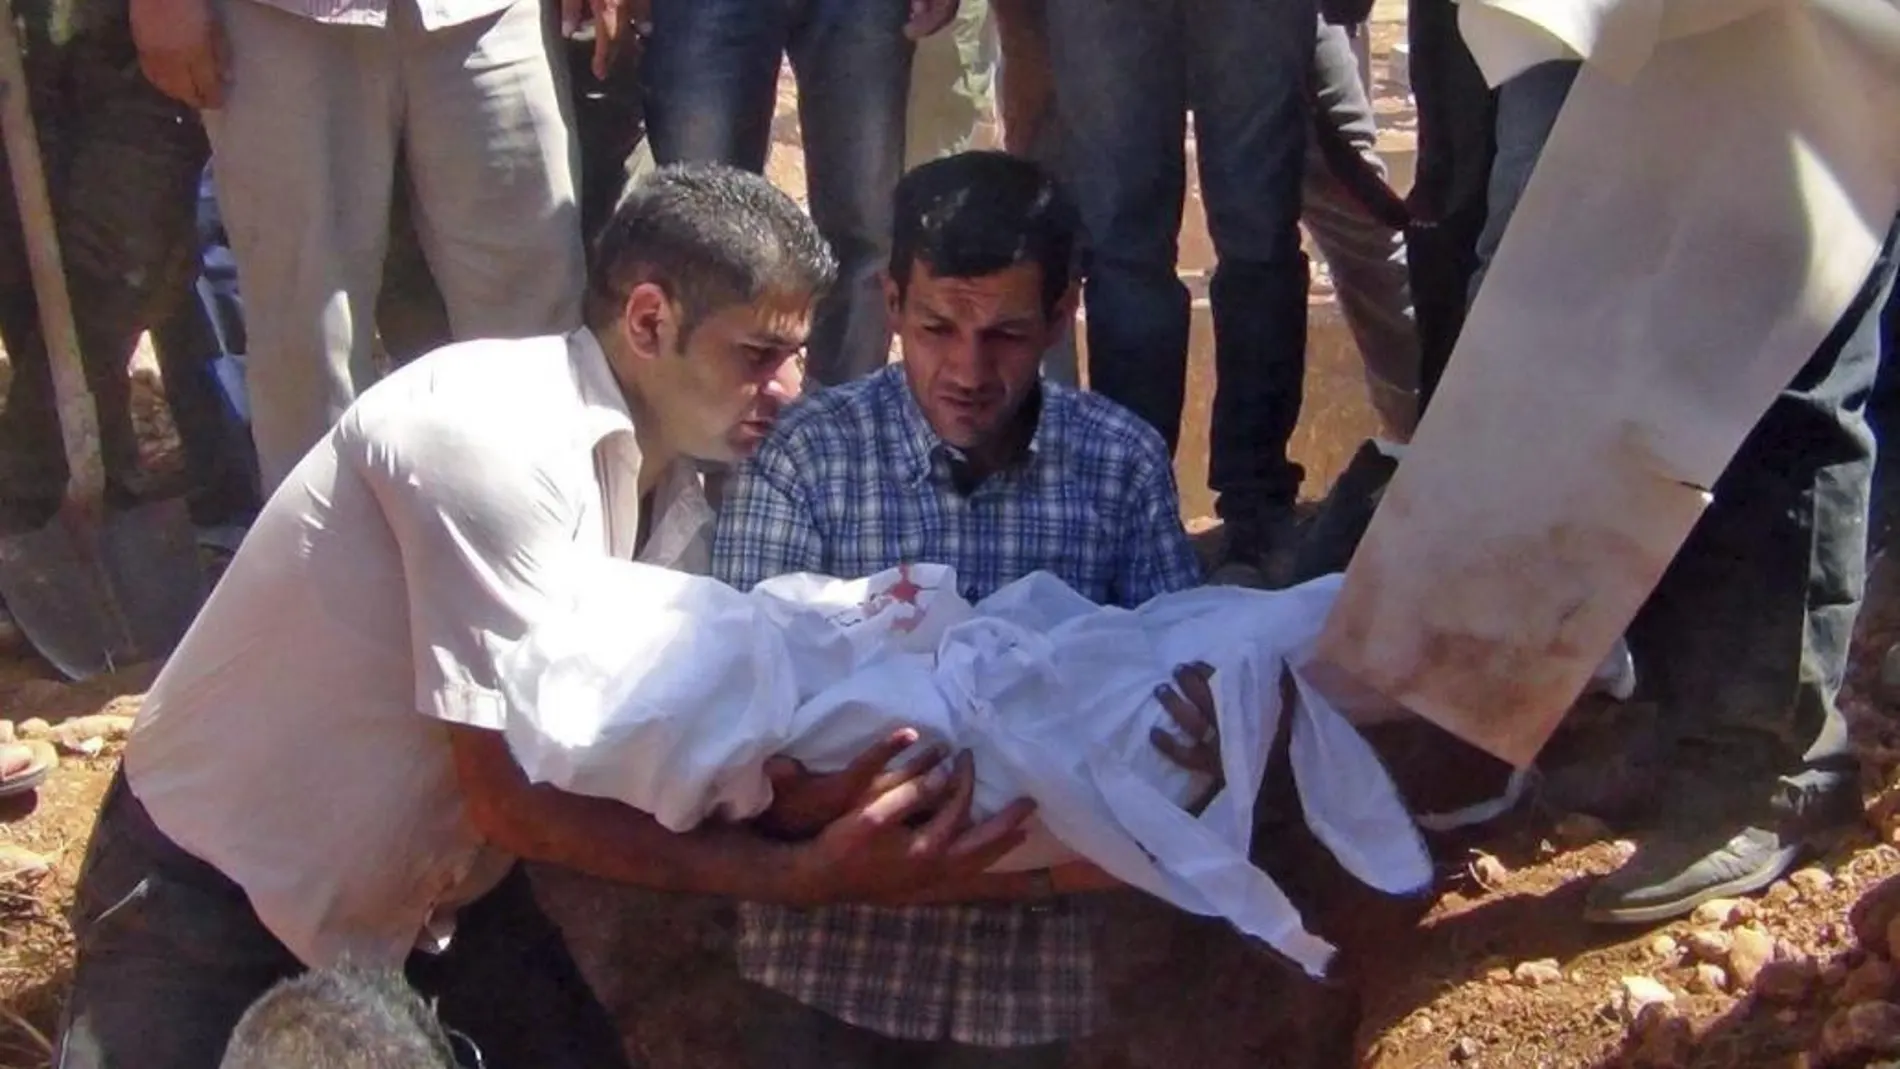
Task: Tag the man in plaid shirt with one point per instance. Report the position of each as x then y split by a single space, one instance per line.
958 455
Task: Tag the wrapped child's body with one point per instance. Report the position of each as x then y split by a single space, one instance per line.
676 708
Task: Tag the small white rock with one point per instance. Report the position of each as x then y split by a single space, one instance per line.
1708 980
1709 944
1812 881
1664 947
17 863
1642 992
1488 871
1541 973
1751 951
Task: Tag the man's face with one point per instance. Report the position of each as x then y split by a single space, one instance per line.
973 348
716 396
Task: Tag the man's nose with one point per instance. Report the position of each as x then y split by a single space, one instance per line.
788 382
965 363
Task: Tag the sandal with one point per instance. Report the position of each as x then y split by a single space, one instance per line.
25 765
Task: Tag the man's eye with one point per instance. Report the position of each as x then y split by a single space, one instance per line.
942 330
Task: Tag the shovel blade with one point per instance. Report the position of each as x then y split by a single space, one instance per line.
93 594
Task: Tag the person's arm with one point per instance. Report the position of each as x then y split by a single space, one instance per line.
485 539
869 853
181 49
928 17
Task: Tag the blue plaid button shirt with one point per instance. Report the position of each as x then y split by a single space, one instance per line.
854 481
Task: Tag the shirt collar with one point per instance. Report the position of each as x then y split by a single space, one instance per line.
920 444
681 514
605 405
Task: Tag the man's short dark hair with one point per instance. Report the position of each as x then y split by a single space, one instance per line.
977 213
347 1017
711 236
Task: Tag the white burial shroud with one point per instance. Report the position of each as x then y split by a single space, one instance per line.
668 691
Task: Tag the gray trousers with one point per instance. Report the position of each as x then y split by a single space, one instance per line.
1366 257
479 112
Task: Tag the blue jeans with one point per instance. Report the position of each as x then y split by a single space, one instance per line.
1745 639
711 81
1127 72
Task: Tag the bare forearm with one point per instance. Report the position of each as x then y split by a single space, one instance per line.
615 842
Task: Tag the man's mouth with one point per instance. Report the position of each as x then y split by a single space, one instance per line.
968 404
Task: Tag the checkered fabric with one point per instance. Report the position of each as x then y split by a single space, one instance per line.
854 481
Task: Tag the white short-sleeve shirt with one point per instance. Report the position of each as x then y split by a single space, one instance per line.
296 740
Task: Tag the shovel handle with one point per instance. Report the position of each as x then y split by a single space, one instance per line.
78 417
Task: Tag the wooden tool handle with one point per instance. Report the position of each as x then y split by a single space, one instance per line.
78 417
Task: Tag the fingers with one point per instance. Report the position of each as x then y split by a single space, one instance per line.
605 43
1195 681
570 17
898 804
1195 712
610 17
864 769
987 843
183 77
1195 757
924 761
927 17
935 837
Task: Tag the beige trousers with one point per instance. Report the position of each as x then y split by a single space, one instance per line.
304 153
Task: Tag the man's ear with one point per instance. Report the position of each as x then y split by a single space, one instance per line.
650 321
893 300
1062 317
1066 305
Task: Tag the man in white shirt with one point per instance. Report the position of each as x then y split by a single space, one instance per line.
317 775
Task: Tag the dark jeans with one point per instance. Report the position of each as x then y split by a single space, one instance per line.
1455 133
122 166
1745 639
711 77
784 1033
1127 73
170 955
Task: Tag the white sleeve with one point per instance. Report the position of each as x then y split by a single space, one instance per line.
482 535
658 689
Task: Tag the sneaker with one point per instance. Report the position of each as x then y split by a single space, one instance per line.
1688 862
